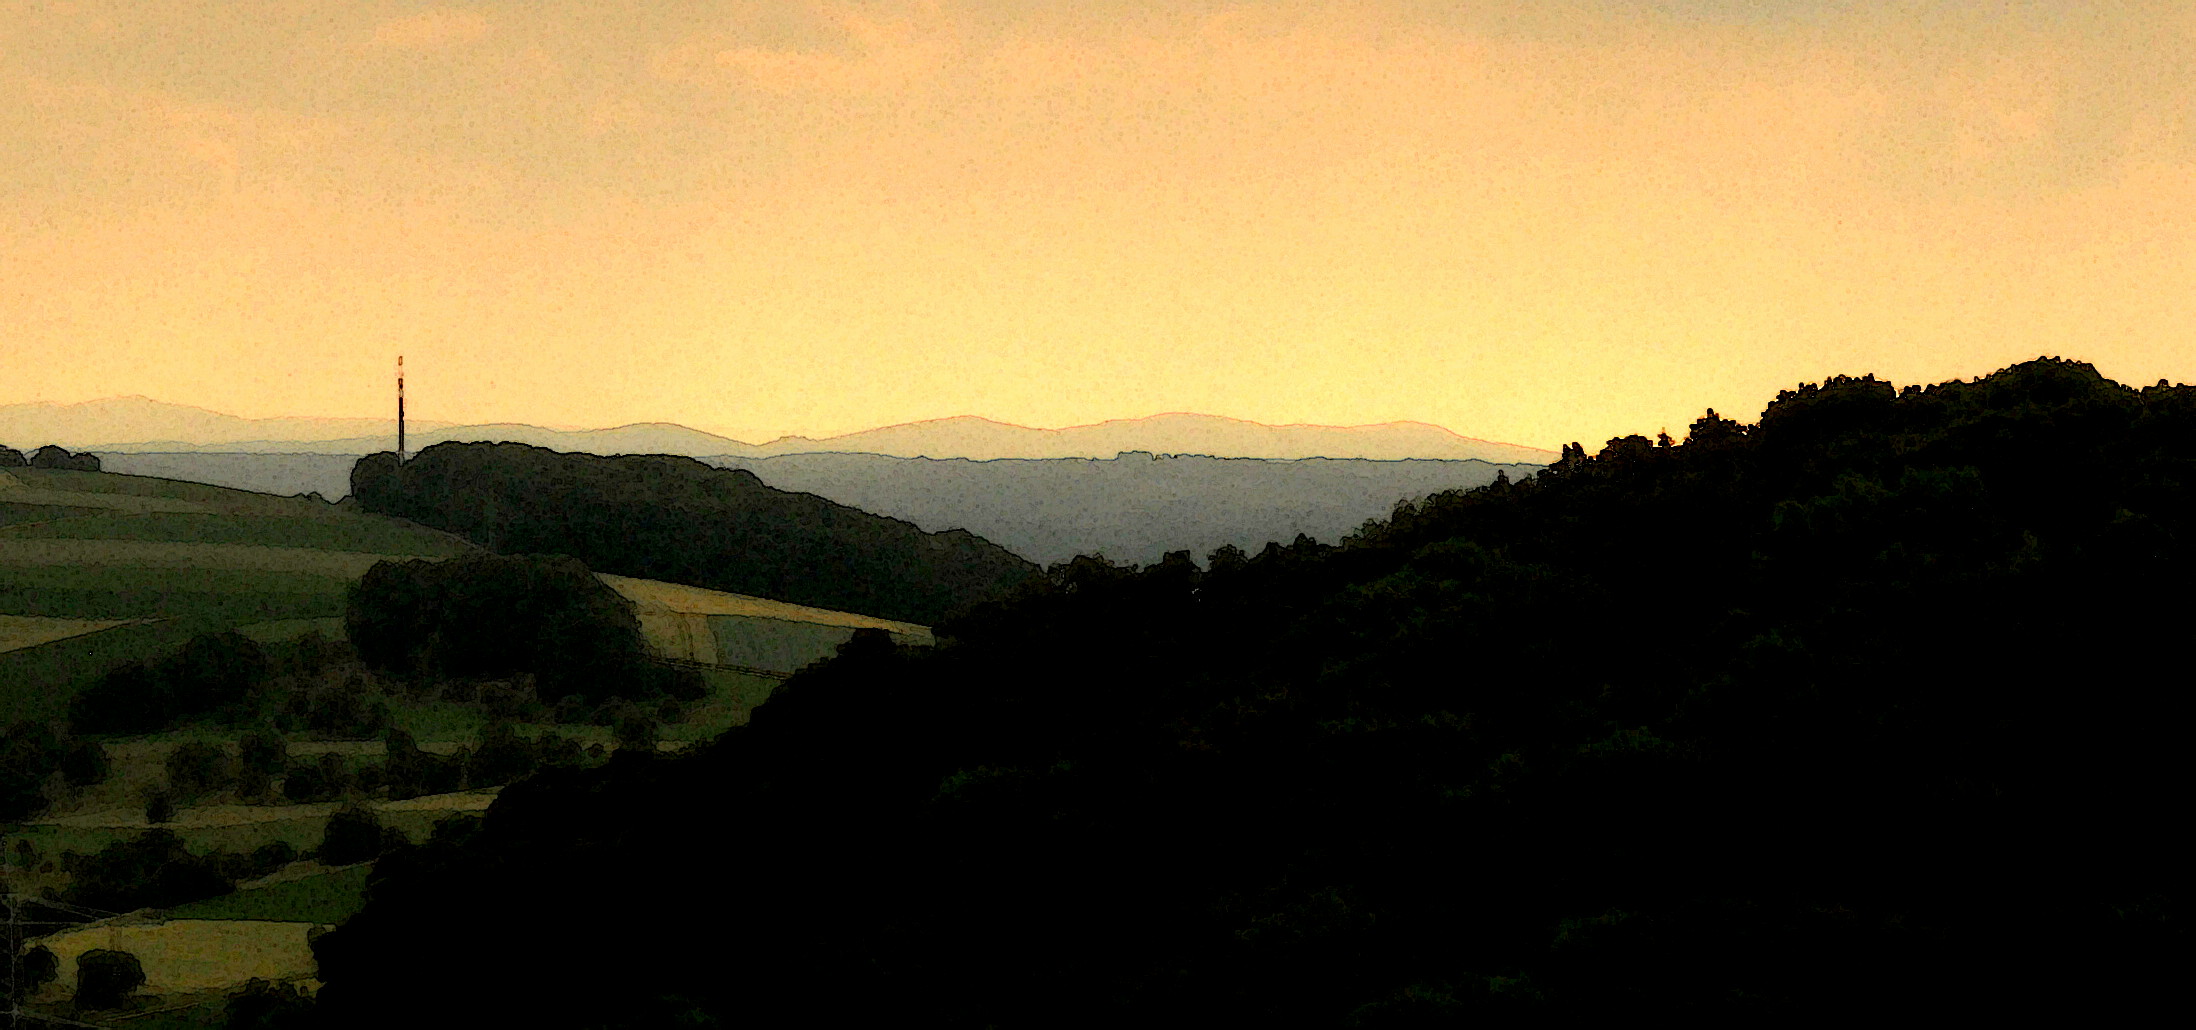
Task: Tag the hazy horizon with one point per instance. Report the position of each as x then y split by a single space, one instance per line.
444 424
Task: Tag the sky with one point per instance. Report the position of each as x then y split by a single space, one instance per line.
1531 222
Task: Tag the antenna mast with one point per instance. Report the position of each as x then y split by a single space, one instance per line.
400 409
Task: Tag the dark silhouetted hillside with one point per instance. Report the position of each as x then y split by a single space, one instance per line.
1868 707
676 519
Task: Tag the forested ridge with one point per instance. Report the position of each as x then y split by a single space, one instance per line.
676 519
1876 704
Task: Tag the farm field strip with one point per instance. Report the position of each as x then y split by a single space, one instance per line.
21 631
112 484
159 554
330 531
208 816
325 897
686 600
187 955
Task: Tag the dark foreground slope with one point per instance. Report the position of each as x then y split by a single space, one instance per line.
1872 706
676 519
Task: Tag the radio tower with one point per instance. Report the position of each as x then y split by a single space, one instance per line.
400 409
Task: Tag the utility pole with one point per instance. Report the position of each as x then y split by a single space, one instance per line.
400 409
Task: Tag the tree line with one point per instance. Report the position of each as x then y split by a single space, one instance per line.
51 456
676 519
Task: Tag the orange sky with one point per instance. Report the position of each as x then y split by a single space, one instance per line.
1534 222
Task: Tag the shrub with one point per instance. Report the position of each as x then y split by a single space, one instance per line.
354 834
211 673
349 711
557 750
252 784
492 616
501 758
305 783
35 969
196 769
54 456
150 870
269 857
635 732
29 753
262 1005
262 751
159 807
105 977
85 763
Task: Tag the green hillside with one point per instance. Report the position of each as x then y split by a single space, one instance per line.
173 558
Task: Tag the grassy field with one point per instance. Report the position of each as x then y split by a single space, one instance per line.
106 489
240 828
678 597
186 557
37 682
209 1012
21 631
291 629
327 531
13 513
329 898
191 955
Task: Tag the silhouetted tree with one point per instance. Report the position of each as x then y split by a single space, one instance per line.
263 1005
105 978
486 616
151 870
195 768
634 731
85 763
210 673
353 835
501 757
37 967
53 456
30 752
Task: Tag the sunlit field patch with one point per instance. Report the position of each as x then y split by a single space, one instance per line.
188 955
20 631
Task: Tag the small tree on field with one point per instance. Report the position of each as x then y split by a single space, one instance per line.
262 1005
105 977
159 807
196 769
85 763
502 757
635 732
353 835
34 970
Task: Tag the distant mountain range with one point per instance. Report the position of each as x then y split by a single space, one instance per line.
142 425
123 420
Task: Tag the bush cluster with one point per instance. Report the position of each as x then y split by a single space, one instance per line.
51 456
485 617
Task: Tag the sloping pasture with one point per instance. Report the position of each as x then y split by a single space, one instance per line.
21 631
